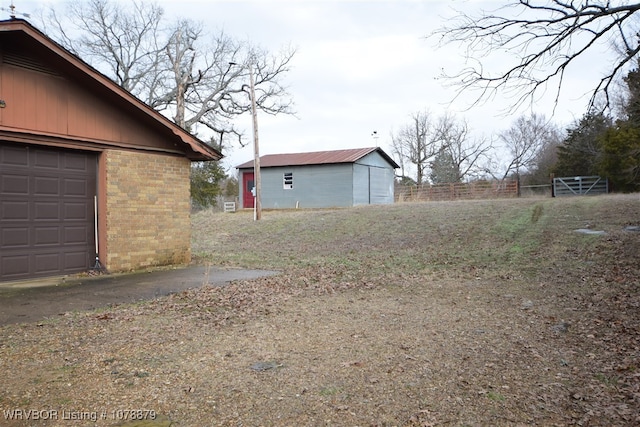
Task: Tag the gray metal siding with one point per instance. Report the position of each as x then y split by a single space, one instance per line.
374 159
367 181
360 185
373 180
313 187
372 185
381 188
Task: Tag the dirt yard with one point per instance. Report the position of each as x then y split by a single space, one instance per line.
468 313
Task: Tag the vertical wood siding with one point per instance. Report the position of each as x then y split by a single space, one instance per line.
49 104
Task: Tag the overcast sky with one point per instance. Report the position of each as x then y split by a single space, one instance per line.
361 66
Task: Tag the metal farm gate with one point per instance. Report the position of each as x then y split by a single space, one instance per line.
580 186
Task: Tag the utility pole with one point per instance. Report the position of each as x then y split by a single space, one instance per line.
256 149
257 203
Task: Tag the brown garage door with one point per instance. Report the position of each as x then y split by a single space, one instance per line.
46 211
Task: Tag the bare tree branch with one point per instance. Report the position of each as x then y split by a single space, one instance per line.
426 138
417 142
545 37
122 43
524 141
464 153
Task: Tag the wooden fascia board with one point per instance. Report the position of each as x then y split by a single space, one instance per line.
52 140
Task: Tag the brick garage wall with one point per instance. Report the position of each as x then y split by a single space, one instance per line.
147 210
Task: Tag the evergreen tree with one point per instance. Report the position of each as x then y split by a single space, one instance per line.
620 160
621 157
632 104
444 169
206 178
581 151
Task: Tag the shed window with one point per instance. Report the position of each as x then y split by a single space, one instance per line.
288 181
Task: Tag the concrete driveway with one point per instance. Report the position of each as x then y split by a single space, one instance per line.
31 301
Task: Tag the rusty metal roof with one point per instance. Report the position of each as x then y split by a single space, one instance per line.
317 158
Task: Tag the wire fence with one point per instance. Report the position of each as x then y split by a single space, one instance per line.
456 191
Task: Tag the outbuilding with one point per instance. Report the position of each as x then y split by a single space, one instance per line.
89 174
322 179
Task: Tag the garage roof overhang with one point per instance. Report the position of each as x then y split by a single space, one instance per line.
26 36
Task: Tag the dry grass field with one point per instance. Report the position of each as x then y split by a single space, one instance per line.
466 313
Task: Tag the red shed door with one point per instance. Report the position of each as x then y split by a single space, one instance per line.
46 211
247 185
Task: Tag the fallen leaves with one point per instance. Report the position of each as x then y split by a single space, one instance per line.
407 315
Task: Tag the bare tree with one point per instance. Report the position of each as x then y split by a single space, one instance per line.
398 150
123 43
176 69
180 57
523 143
209 83
544 38
542 169
463 152
417 143
441 143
